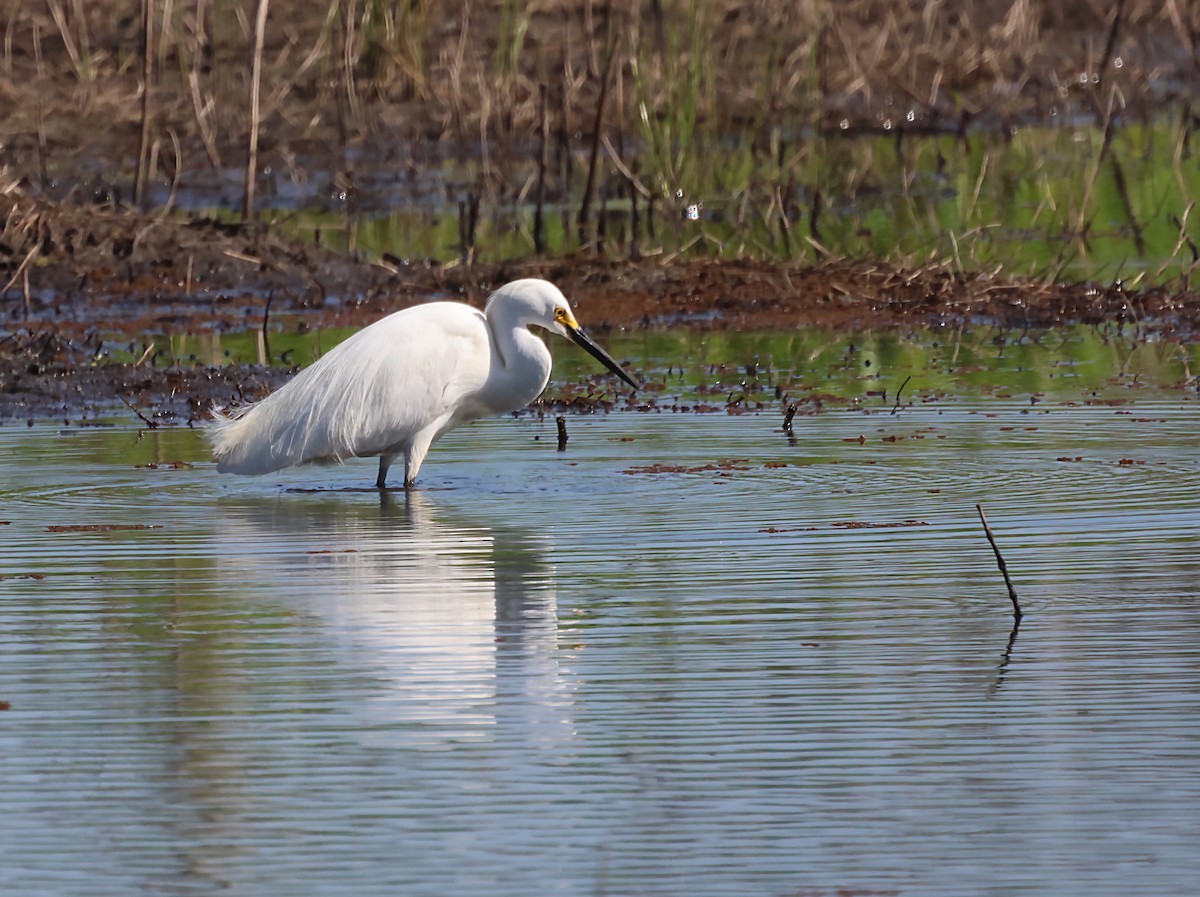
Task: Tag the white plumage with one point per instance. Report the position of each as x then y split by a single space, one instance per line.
395 387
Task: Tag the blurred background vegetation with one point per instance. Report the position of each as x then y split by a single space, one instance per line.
1042 138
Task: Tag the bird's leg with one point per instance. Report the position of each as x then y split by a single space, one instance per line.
415 453
385 461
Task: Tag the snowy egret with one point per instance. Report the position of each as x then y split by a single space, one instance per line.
395 387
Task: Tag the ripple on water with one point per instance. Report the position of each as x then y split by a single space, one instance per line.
795 673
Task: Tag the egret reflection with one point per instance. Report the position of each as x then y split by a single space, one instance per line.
451 624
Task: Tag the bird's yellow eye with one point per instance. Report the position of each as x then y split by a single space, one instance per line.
560 313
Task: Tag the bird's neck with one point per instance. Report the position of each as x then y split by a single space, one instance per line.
520 347
524 360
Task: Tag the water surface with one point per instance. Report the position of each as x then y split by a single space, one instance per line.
774 667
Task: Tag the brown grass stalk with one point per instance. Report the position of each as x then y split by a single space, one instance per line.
140 178
597 134
260 27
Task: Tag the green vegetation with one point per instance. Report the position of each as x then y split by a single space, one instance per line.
1069 363
1042 138
1045 202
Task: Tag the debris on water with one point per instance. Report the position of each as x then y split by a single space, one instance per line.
739 464
843 524
862 524
99 527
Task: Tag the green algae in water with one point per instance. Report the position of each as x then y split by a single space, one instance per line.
712 366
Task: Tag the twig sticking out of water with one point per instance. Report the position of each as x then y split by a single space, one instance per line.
787 419
153 425
896 407
562 432
1012 592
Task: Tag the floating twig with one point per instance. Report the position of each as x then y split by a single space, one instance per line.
1012 592
562 432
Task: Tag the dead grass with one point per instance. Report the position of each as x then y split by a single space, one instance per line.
470 72
90 93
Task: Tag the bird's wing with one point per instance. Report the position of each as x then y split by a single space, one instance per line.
366 396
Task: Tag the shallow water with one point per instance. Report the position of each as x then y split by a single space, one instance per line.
563 673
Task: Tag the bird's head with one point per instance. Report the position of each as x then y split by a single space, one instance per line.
542 304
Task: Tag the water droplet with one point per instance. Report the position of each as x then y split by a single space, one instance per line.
679 194
887 124
1095 77
1083 78
1118 63
912 116
845 124
693 211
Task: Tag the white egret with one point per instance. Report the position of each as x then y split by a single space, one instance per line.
395 387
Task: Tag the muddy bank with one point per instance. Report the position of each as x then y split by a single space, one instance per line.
79 278
76 270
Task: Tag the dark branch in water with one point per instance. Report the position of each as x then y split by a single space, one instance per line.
896 407
562 432
149 423
787 419
1012 592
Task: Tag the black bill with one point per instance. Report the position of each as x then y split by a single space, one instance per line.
584 342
